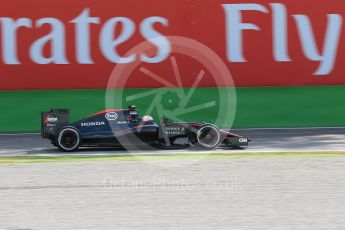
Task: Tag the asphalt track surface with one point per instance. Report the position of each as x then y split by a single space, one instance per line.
264 140
278 193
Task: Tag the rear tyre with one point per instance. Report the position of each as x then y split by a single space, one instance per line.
68 139
208 137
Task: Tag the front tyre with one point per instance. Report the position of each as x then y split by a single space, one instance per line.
68 139
208 137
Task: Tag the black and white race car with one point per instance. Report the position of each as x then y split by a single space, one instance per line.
125 127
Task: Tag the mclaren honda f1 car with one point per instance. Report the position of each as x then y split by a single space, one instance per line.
125 127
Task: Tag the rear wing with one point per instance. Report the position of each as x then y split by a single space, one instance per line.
52 121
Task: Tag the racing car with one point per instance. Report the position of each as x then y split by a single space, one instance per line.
125 127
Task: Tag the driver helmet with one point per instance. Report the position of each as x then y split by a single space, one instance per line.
147 118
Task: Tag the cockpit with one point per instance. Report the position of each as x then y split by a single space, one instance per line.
135 117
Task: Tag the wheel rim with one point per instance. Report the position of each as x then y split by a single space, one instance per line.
68 139
208 137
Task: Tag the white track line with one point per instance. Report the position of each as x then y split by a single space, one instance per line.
167 154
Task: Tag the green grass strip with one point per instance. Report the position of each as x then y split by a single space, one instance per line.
265 107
